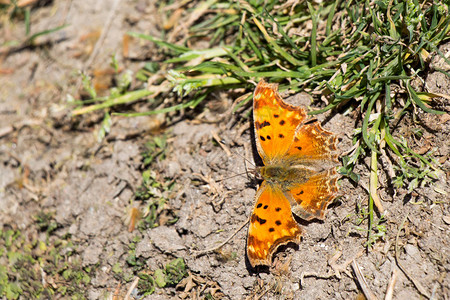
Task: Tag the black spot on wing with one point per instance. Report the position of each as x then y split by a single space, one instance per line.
262 138
260 125
255 218
278 222
282 122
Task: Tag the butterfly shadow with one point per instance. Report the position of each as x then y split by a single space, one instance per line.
253 172
256 157
266 269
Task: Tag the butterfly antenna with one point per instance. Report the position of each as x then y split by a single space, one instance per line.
229 177
248 171
245 159
229 152
246 168
240 174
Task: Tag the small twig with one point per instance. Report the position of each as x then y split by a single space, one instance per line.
254 295
132 287
199 253
236 102
265 292
222 145
43 276
328 275
391 285
362 282
365 188
343 267
417 284
388 163
436 285
186 23
4 131
214 188
352 150
335 268
101 39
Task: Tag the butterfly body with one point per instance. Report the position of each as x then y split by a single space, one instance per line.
297 173
284 176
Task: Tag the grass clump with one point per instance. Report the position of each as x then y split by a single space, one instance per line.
13 12
169 276
39 269
154 190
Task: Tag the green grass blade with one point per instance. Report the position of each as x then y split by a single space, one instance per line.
277 48
365 124
176 48
416 100
192 104
200 54
123 99
313 54
44 32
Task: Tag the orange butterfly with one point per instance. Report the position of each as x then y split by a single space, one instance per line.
299 174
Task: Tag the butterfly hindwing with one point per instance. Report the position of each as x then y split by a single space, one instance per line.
310 199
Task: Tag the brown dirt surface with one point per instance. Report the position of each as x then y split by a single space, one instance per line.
65 192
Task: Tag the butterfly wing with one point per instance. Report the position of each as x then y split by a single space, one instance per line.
271 225
275 121
313 146
312 143
311 198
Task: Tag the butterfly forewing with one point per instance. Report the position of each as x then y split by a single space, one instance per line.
275 122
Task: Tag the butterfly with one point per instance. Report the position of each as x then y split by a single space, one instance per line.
299 173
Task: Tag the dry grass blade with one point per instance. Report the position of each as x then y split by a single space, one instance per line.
362 282
203 252
132 287
222 145
102 38
391 285
373 183
416 283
